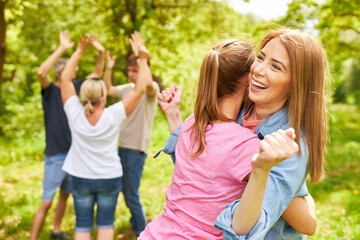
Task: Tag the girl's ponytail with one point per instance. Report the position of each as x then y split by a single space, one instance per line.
222 73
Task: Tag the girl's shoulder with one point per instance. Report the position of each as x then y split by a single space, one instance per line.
189 121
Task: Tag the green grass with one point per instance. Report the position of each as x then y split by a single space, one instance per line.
337 196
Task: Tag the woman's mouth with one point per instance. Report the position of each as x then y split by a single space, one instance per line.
257 85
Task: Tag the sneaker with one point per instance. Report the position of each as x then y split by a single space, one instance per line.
60 235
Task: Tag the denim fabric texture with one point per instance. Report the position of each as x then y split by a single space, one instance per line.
54 176
286 181
87 192
133 162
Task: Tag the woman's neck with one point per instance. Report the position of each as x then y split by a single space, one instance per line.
95 116
258 113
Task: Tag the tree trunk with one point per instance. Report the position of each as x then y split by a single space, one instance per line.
2 46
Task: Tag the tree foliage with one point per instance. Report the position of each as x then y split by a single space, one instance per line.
177 32
337 24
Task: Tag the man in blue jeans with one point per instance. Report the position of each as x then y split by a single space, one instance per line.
134 138
58 136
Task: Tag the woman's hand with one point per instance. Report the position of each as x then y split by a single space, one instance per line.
274 149
65 42
110 61
98 46
169 101
84 42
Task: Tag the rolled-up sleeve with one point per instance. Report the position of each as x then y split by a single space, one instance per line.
286 180
170 145
223 222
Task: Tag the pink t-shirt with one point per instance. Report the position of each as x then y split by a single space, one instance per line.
203 186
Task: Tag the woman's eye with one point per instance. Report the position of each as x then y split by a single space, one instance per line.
259 57
276 67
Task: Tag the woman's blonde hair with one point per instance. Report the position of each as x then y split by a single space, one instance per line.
92 90
307 101
223 71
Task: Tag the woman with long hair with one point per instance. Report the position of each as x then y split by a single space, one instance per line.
289 74
286 89
214 152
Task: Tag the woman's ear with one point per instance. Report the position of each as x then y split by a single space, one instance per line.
103 100
247 80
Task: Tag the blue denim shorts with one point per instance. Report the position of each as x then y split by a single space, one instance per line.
55 177
87 192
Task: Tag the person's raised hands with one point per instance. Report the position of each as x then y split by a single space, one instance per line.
65 42
138 46
98 46
110 61
169 99
274 149
84 42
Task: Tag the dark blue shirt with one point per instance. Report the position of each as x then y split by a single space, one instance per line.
58 136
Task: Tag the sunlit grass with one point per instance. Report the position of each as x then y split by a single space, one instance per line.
337 197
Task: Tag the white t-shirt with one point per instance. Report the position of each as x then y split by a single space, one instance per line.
93 152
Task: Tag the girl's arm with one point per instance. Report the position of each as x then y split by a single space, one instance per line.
300 214
272 150
66 86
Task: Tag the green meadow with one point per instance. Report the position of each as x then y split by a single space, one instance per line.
336 197
177 33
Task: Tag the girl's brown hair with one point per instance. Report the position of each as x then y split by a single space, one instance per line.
91 93
307 101
222 73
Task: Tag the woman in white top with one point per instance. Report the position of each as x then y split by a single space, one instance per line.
92 160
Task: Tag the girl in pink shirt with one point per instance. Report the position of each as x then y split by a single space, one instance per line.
214 154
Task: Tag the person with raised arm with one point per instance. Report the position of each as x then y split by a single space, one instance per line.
286 88
92 161
214 153
134 136
58 137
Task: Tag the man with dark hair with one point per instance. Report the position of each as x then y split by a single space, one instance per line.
134 137
58 137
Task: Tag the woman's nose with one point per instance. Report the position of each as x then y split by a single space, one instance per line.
259 69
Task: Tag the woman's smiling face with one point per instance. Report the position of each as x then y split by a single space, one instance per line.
270 77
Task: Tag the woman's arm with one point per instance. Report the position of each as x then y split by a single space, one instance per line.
110 63
131 101
274 149
300 214
286 180
169 101
98 70
66 86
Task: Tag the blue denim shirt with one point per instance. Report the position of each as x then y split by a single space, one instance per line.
286 181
